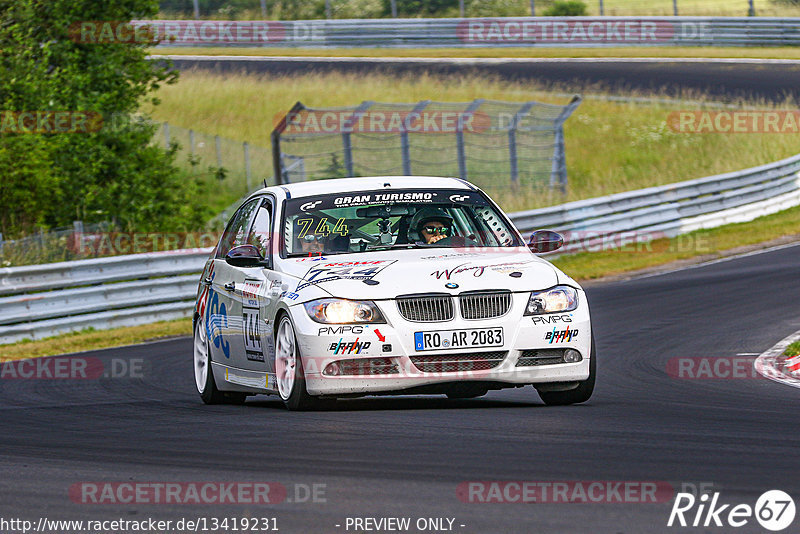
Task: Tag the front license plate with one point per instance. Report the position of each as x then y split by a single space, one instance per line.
458 339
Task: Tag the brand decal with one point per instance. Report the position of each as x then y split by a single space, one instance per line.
558 336
352 347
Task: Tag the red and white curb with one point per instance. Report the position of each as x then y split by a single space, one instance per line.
774 365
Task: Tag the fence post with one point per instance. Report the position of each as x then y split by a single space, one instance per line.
347 146
196 9
327 9
601 8
512 141
166 135
405 153
219 151
394 9
752 11
264 8
558 172
462 158
461 8
1 242
191 142
533 8
247 165
675 7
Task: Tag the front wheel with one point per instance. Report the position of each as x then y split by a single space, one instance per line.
204 375
582 393
289 369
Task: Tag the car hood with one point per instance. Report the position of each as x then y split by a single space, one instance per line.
386 274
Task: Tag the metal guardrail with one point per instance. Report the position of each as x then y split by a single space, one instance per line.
45 300
485 32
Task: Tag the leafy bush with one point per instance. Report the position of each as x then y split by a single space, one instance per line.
566 8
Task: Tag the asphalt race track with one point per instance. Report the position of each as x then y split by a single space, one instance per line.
407 456
722 79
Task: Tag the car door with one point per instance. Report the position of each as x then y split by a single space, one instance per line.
224 314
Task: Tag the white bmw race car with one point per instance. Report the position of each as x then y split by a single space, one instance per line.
389 285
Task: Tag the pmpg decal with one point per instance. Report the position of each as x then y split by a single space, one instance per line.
346 270
217 322
559 336
352 347
552 319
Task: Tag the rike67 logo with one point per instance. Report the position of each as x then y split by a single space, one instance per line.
774 510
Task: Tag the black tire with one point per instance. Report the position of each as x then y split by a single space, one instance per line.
292 388
206 386
582 393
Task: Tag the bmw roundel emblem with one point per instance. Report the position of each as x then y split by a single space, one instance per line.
451 285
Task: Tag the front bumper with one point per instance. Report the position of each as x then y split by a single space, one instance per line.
384 355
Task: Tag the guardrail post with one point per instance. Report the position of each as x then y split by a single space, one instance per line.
558 172
219 151
462 158
394 8
461 8
675 7
533 8
327 9
512 140
601 8
404 147
247 165
347 146
752 11
166 135
264 8
191 142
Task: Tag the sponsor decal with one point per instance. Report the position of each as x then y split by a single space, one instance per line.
312 258
310 205
351 347
289 295
559 336
552 319
250 292
477 270
346 270
458 198
448 256
340 330
217 322
383 198
208 272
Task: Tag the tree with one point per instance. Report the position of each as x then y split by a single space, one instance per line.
113 174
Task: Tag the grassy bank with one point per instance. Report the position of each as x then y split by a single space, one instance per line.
611 146
784 52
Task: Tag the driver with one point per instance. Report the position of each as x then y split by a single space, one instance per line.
310 243
433 224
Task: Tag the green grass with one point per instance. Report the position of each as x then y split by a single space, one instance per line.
792 350
95 339
785 52
708 243
611 146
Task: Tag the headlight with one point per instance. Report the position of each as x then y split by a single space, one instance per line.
340 311
556 299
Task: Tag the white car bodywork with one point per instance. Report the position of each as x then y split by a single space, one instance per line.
239 309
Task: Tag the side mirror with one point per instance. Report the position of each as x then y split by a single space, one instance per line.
545 241
245 256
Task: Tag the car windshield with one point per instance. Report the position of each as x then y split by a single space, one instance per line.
343 223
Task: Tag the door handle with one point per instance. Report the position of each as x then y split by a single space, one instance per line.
207 281
230 286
